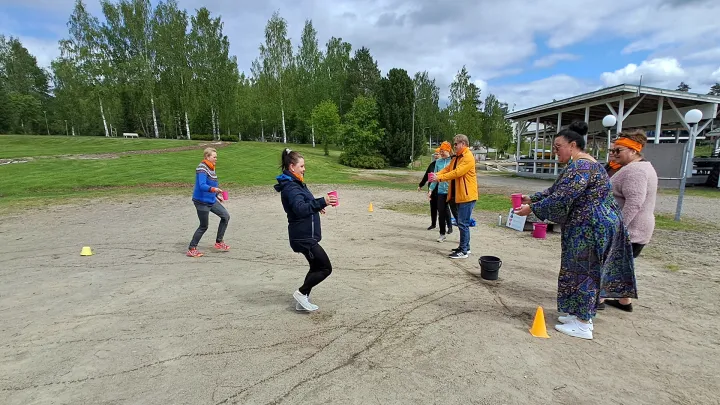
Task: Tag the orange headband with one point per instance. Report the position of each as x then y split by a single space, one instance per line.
629 143
446 146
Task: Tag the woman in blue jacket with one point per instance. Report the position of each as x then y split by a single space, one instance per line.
443 206
207 197
304 232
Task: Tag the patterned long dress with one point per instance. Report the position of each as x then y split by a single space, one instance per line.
597 257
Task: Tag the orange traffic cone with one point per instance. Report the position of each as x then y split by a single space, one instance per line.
538 328
370 208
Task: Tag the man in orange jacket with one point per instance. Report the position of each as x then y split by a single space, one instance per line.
461 175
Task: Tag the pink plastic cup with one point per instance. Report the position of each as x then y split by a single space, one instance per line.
539 230
334 194
431 177
225 195
516 200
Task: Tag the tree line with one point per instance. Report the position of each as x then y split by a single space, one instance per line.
163 72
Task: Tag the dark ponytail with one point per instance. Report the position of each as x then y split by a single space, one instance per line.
289 157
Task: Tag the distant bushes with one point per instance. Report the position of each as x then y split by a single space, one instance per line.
363 161
208 137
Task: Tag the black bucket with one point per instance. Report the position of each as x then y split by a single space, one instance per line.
489 267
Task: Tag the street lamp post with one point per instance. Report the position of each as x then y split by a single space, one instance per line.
46 123
412 150
262 129
692 118
608 122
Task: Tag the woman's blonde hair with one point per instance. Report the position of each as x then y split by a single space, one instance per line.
208 151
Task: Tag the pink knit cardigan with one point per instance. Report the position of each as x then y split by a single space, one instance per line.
635 188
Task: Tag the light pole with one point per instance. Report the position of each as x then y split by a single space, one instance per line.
692 118
429 136
46 123
412 150
608 122
262 130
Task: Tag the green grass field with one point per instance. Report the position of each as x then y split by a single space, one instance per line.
242 164
55 178
695 191
17 146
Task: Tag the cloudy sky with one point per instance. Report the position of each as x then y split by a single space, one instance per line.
526 52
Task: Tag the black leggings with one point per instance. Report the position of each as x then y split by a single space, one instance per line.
433 207
444 212
320 268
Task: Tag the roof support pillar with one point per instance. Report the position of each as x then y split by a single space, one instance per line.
522 128
537 133
557 131
658 119
587 120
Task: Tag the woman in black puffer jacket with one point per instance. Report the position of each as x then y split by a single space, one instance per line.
303 212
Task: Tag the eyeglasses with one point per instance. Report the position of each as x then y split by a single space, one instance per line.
616 151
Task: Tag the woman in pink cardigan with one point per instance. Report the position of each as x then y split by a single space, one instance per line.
635 188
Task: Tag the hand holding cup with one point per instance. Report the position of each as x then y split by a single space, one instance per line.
332 198
523 211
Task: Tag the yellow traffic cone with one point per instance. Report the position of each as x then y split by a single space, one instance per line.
370 208
86 251
538 328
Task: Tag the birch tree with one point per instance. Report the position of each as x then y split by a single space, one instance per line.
276 57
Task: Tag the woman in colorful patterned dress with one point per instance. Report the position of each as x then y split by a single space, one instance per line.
597 257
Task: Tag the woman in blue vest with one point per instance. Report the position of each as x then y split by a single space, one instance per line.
443 205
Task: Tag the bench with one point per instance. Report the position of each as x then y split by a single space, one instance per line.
130 135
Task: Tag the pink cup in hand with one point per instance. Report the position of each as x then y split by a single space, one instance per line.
225 195
334 194
516 200
431 177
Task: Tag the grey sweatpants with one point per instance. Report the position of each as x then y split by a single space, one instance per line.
203 212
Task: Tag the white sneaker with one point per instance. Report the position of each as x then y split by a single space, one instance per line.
300 308
441 238
303 300
569 318
576 329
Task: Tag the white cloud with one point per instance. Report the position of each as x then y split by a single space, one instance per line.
541 91
552 59
708 55
662 72
482 85
672 23
44 50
